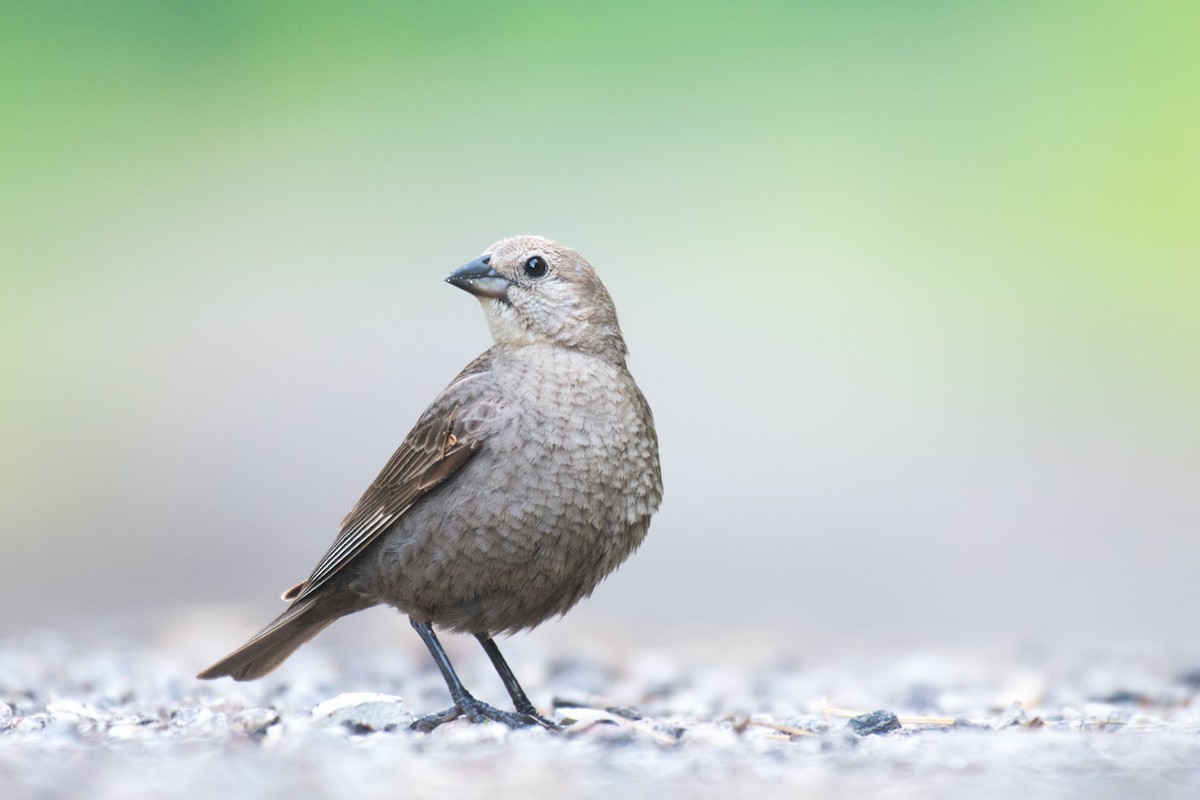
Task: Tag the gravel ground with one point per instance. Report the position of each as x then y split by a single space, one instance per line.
108 717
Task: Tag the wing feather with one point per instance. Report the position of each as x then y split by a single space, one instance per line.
443 440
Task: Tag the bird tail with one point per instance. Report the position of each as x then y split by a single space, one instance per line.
274 643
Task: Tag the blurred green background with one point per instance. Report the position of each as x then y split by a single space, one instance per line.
913 288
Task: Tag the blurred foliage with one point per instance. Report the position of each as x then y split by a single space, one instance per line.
964 232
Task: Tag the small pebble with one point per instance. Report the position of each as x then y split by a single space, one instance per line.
1013 715
877 722
253 722
364 712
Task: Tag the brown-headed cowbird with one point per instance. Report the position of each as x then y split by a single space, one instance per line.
530 478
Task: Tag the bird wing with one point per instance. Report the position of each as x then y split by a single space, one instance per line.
443 440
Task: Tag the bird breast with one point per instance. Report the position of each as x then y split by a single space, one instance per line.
560 493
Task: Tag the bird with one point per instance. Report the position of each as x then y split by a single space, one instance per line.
529 479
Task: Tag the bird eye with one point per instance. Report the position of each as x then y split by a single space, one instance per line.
535 267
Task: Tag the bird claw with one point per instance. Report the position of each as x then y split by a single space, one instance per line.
531 718
427 723
478 713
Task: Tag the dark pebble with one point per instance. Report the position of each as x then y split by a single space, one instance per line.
1191 678
1125 696
881 721
626 712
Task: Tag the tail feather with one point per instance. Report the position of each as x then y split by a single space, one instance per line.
274 643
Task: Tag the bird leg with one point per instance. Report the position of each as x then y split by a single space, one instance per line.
520 701
464 703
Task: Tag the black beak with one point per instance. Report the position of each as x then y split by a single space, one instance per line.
480 279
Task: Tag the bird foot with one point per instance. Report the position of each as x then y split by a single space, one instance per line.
479 712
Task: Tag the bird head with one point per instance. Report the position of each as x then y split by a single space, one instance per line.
535 291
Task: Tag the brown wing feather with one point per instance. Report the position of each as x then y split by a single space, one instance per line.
444 439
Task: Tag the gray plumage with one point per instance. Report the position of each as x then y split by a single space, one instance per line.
531 477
